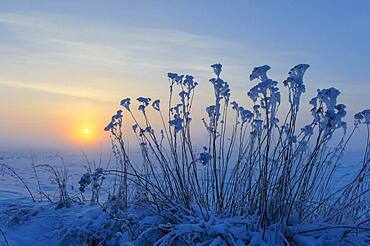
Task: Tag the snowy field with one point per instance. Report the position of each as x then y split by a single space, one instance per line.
17 211
27 223
23 163
76 165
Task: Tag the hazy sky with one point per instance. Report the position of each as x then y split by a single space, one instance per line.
65 65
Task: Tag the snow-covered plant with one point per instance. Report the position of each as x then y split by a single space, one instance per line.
326 112
363 117
119 149
262 165
95 180
59 176
295 84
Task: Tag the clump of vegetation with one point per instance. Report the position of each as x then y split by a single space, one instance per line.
256 162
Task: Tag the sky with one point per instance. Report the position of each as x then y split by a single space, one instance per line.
65 65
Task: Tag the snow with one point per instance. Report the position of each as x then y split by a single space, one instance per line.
40 223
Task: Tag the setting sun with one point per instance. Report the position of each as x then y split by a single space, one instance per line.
86 133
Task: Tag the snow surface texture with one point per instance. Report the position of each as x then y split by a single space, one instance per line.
82 224
280 197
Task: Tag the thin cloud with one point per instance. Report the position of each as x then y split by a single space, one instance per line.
54 90
131 49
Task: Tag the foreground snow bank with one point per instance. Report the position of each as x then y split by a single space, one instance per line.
25 223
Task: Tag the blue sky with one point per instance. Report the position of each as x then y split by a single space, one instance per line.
87 55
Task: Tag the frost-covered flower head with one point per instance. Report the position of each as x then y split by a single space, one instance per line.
134 127
265 93
175 78
183 95
307 130
155 104
176 110
326 96
263 88
213 115
115 122
295 84
184 98
189 83
109 127
296 73
84 182
221 88
245 115
217 68
257 127
126 103
259 73
91 178
362 117
326 112
205 156
211 111
177 123
144 102
118 114
235 105
221 91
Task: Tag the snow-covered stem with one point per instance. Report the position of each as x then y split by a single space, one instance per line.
4 237
7 169
60 177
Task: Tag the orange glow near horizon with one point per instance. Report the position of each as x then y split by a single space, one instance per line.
86 133
83 134
82 123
